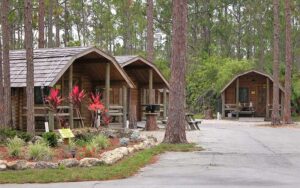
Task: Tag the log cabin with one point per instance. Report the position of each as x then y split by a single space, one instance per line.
250 94
62 68
151 87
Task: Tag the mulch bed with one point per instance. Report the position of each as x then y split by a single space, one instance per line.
61 152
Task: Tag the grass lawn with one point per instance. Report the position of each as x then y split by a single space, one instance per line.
125 168
296 118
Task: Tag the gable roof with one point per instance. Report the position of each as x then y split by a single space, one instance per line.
129 59
51 63
251 71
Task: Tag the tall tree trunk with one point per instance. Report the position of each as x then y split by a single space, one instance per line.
41 40
288 65
6 68
57 26
66 18
150 35
50 25
150 57
1 89
30 68
127 27
175 130
275 112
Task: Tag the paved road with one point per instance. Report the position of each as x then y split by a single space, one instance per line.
236 155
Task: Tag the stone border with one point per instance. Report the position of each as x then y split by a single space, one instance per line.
108 158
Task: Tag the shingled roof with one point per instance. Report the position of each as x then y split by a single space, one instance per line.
129 59
50 64
124 59
248 72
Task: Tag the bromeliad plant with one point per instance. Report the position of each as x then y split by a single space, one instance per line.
76 97
96 106
53 101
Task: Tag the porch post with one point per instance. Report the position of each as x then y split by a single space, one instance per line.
144 96
71 123
165 103
120 96
150 86
223 104
124 105
268 99
107 85
237 92
158 97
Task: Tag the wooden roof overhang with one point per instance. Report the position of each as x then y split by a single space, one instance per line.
248 72
138 70
50 64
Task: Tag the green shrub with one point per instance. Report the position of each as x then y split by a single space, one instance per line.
10 133
81 143
51 138
14 146
90 149
24 136
101 141
7 133
39 151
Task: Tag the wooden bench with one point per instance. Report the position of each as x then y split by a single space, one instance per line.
116 112
193 124
237 113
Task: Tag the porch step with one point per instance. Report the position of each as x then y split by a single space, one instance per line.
251 119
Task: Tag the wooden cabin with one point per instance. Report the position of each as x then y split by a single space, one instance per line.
62 68
250 94
146 78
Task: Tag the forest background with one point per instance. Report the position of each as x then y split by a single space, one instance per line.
225 37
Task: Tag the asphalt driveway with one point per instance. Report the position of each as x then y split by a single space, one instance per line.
236 155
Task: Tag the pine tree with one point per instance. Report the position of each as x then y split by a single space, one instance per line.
175 130
288 65
6 67
30 68
1 89
275 112
41 24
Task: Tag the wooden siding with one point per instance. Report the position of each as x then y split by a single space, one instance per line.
257 86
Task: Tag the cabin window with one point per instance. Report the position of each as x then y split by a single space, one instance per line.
38 97
243 95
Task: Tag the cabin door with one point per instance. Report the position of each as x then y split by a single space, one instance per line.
261 101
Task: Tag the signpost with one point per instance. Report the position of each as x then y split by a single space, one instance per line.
66 134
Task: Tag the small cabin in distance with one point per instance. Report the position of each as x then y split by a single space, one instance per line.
250 94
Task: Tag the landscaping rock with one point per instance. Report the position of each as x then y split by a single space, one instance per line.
110 157
131 149
135 136
124 141
110 133
17 165
44 164
36 139
3 165
88 162
69 162
31 165
123 150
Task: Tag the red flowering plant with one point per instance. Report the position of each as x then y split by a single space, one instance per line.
76 97
96 106
53 101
